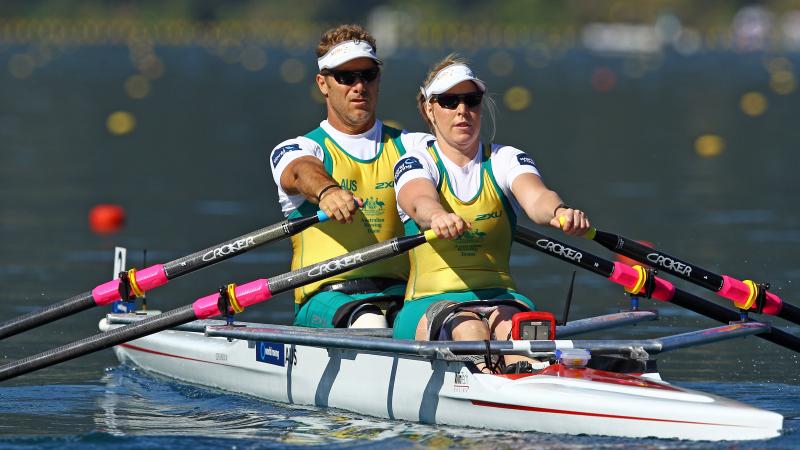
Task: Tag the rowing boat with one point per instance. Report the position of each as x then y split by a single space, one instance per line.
613 389
368 372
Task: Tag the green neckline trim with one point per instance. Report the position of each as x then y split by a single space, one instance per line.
362 161
443 170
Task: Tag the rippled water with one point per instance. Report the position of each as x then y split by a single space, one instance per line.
194 173
131 409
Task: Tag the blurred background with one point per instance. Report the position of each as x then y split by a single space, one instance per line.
667 121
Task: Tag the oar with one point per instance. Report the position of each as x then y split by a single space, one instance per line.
635 281
744 294
158 274
238 297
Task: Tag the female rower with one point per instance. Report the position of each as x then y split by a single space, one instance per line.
469 193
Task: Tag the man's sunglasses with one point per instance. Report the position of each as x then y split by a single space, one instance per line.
451 101
350 77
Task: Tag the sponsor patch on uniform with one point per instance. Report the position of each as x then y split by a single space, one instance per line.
270 353
404 165
278 154
525 160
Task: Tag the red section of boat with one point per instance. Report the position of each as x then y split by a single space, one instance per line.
590 414
153 352
600 376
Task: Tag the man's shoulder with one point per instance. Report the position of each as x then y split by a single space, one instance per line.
391 130
295 143
300 144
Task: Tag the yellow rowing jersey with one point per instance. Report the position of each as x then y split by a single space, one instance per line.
479 258
372 181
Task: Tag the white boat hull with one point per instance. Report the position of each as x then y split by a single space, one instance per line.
558 400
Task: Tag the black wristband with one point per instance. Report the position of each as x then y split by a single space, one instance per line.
561 205
325 189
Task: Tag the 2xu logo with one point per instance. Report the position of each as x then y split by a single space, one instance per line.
491 215
334 265
227 249
560 250
669 264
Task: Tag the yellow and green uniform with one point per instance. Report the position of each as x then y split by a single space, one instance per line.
372 181
474 266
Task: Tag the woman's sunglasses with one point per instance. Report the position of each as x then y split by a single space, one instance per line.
350 77
451 101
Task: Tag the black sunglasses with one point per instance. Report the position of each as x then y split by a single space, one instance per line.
350 77
451 101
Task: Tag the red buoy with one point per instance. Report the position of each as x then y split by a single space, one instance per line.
604 79
106 218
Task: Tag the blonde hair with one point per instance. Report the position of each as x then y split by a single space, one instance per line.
488 101
342 33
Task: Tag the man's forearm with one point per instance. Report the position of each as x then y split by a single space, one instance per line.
307 178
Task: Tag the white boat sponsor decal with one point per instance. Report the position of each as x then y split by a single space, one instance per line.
559 249
270 353
336 264
669 264
461 381
227 249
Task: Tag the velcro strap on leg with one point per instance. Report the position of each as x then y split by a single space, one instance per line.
440 313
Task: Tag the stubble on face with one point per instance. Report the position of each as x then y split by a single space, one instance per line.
351 109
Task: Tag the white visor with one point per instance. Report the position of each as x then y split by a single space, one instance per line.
346 51
449 77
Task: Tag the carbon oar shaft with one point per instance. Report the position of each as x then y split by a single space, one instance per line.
742 293
628 277
158 274
207 307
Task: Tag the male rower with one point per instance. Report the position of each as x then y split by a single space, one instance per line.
345 168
